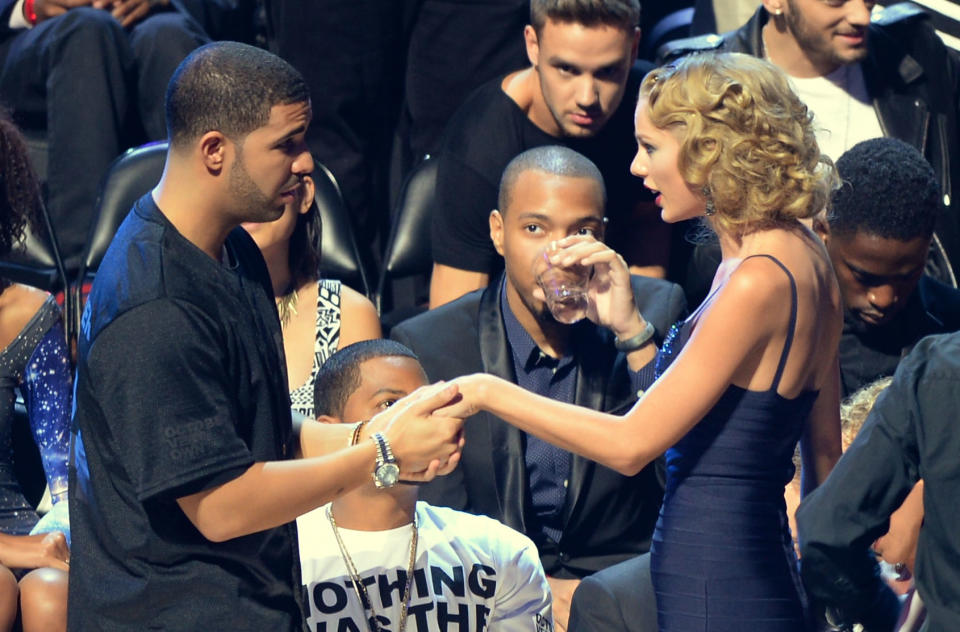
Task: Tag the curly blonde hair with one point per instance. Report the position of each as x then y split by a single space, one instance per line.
855 409
746 140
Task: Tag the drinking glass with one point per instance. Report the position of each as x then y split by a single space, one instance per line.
565 287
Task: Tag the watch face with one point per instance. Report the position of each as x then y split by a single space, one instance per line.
387 475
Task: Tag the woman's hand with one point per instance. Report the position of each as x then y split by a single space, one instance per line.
473 391
35 551
610 294
425 443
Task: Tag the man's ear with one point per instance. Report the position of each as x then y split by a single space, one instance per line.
327 419
213 151
533 44
636 45
496 230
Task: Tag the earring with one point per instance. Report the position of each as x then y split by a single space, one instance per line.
710 209
778 12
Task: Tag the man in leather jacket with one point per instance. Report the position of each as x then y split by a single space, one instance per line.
891 62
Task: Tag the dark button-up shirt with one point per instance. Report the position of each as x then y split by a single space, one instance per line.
911 433
548 467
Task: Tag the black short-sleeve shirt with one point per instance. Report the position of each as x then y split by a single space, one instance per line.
181 386
484 135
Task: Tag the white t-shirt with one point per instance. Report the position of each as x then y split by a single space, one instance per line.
472 574
843 113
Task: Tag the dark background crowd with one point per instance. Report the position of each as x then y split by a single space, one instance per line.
414 115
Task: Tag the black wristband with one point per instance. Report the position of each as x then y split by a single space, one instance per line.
635 342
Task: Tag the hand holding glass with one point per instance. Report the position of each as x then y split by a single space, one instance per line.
564 287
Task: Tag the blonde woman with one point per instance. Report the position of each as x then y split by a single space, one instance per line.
748 374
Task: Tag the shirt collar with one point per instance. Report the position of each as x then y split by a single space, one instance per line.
526 354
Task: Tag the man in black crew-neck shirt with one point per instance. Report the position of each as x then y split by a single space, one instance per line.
181 501
582 67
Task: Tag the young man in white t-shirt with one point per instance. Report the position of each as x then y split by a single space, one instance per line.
376 559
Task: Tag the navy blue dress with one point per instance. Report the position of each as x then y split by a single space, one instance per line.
722 558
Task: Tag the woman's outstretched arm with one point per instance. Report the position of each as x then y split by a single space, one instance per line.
729 345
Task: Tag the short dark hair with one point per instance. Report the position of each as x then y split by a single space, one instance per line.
19 189
887 189
339 376
623 14
553 159
228 87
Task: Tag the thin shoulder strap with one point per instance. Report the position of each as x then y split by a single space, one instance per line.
793 319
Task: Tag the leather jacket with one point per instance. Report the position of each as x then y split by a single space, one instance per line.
914 82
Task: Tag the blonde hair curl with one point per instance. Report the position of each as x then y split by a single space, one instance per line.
746 140
855 409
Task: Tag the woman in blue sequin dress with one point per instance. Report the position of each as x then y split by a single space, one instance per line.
748 374
34 360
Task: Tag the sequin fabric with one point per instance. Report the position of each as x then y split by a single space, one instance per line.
35 362
671 343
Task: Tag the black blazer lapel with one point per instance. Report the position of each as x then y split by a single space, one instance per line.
507 455
602 384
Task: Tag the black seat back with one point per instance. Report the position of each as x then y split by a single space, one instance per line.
129 177
408 248
35 260
139 169
339 254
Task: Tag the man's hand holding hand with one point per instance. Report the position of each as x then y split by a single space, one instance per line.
423 443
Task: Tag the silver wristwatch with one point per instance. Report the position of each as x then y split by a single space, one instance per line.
387 472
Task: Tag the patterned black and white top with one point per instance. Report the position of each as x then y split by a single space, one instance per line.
325 344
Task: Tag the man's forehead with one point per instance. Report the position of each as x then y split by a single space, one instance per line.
574 38
283 115
534 184
390 373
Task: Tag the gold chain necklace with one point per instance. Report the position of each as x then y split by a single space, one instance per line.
287 307
358 587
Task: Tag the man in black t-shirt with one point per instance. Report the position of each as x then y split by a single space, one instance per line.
181 512
582 56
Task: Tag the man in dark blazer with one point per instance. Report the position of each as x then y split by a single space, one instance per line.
582 516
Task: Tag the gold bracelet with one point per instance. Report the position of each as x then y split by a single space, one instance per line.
353 434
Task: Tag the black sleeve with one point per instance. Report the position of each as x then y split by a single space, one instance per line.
159 373
460 235
839 521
